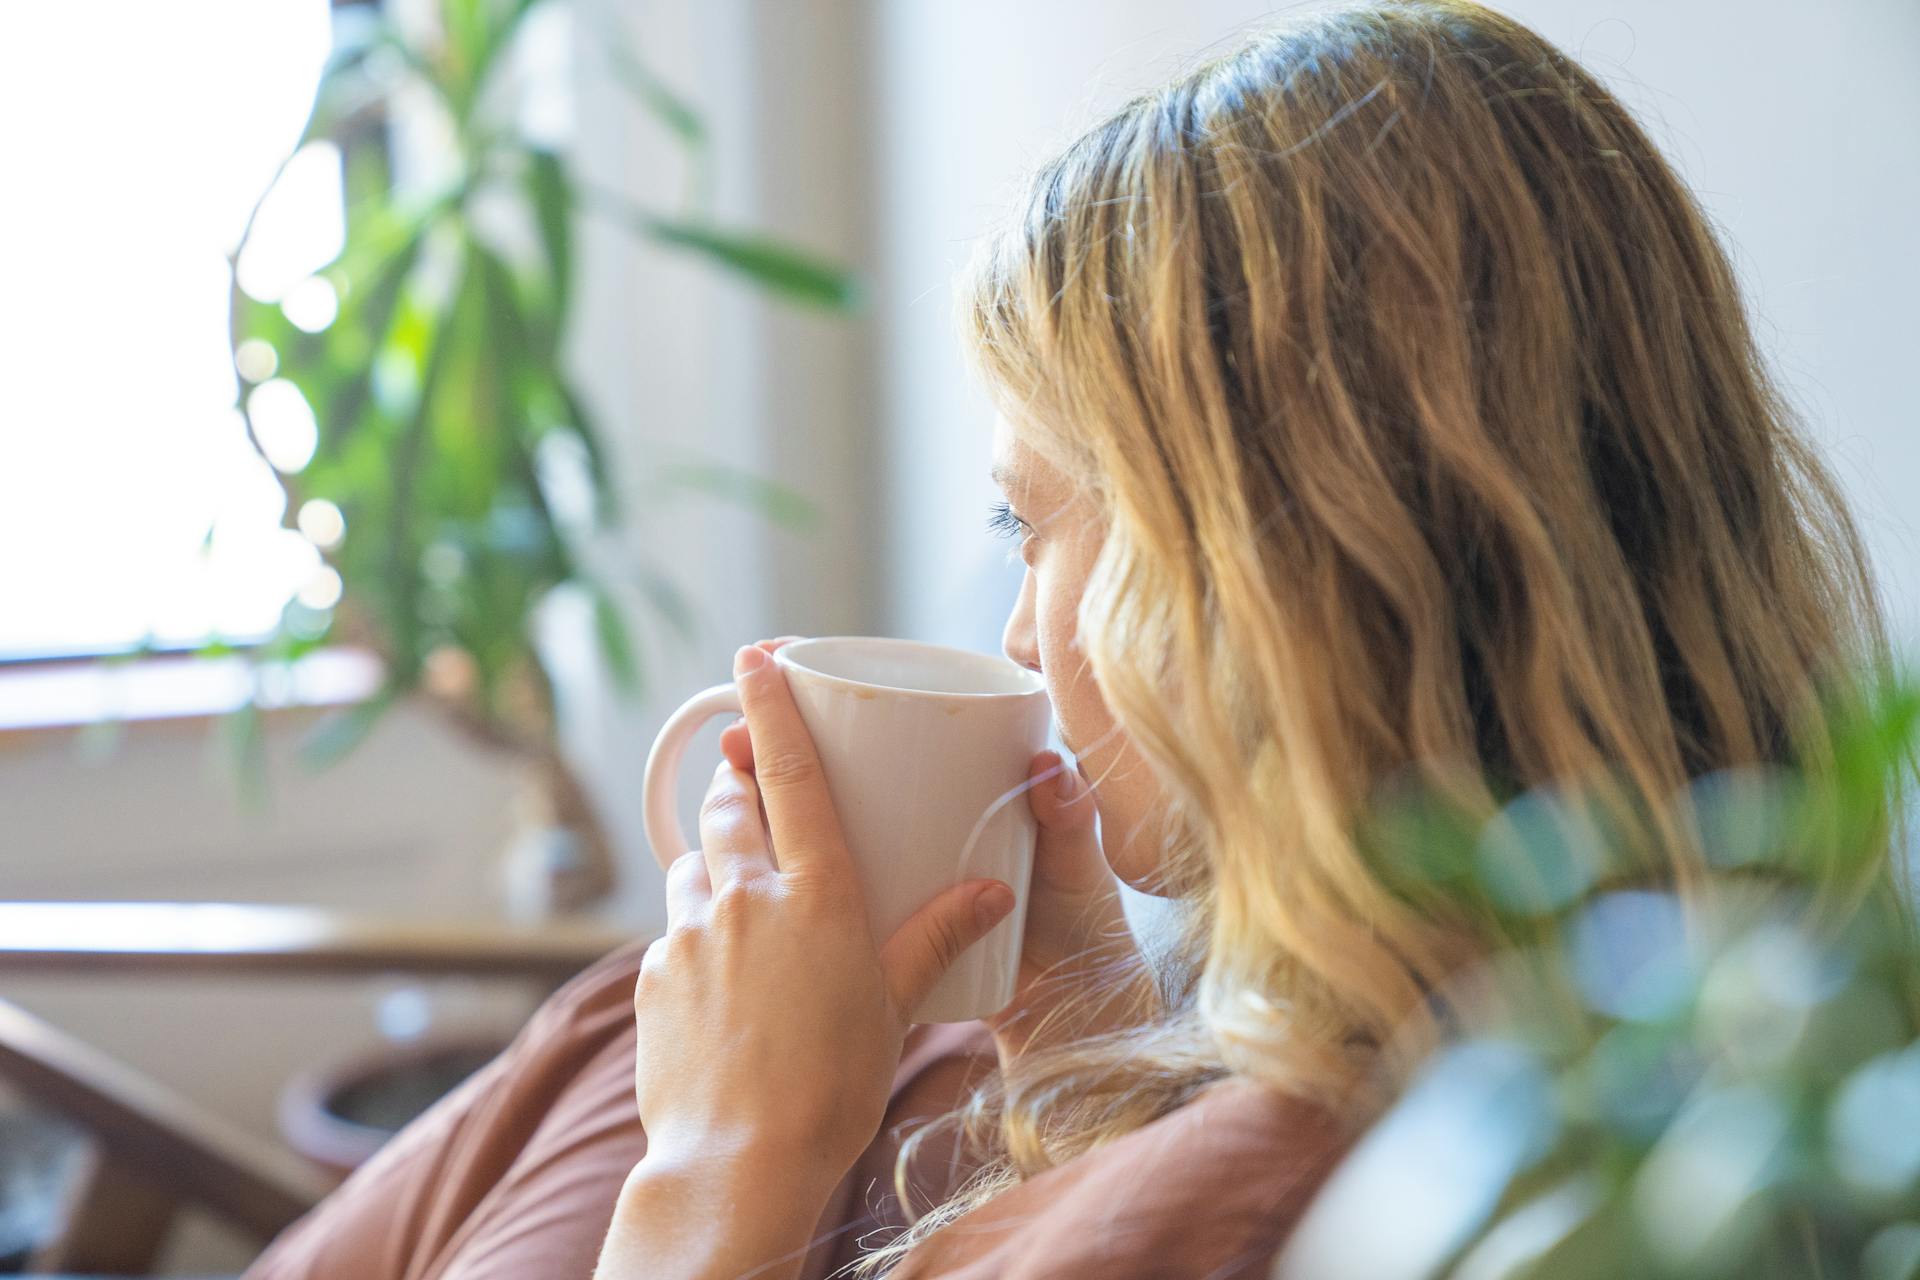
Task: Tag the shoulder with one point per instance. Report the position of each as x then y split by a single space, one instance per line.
1211 1189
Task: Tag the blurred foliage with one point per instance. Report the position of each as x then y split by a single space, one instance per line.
1651 1081
470 468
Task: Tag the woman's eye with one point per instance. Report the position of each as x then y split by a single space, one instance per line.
1002 523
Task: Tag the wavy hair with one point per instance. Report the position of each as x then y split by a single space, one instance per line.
1431 441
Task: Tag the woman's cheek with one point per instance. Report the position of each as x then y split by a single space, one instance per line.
1077 704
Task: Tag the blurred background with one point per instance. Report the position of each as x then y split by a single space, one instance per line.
404 404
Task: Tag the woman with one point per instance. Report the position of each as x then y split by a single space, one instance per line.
1376 403
1376 406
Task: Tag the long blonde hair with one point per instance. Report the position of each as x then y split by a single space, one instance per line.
1431 441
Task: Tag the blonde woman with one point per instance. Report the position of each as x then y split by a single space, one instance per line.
1375 404
1375 400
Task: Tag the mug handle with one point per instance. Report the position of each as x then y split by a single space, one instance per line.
660 790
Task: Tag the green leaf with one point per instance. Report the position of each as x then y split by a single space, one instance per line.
770 498
463 25
406 500
616 641
521 351
586 426
666 106
795 273
670 602
521 375
339 732
434 76
798 274
494 602
494 35
369 304
468 405
552 198
242 733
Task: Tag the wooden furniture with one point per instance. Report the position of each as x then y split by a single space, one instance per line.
153 938
154 1153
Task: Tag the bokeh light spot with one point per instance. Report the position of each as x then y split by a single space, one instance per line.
1757 999
1538 854
312 304
256 360
322 590
1747 815
300 226
1893 1254
1873 1129
1715 1157
443 563
322 522
1629 954
1442 1158
283 424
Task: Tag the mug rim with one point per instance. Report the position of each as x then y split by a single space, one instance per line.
785 656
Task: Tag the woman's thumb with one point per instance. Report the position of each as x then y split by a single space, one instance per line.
925 947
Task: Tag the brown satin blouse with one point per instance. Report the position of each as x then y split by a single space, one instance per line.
515 1173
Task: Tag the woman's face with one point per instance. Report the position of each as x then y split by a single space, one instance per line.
1059 538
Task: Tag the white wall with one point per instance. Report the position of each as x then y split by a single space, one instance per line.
1799 126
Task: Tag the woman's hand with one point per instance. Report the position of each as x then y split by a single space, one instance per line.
770 1021
1080 971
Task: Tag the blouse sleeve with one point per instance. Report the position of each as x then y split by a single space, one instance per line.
1212 1191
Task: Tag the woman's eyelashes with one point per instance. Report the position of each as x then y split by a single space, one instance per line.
1003 523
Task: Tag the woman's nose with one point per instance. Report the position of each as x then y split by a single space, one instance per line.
1020 641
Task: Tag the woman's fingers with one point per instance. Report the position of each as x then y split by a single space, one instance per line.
925 947
1075 935
732 836
787 769
1067 855
735 742
1060 798
688 888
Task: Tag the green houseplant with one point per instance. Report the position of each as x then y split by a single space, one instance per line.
440 396
1722 1083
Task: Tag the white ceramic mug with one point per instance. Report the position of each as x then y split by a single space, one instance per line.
925 751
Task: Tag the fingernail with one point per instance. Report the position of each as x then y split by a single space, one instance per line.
992 905
750 659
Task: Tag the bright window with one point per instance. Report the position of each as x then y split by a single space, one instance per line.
137 137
